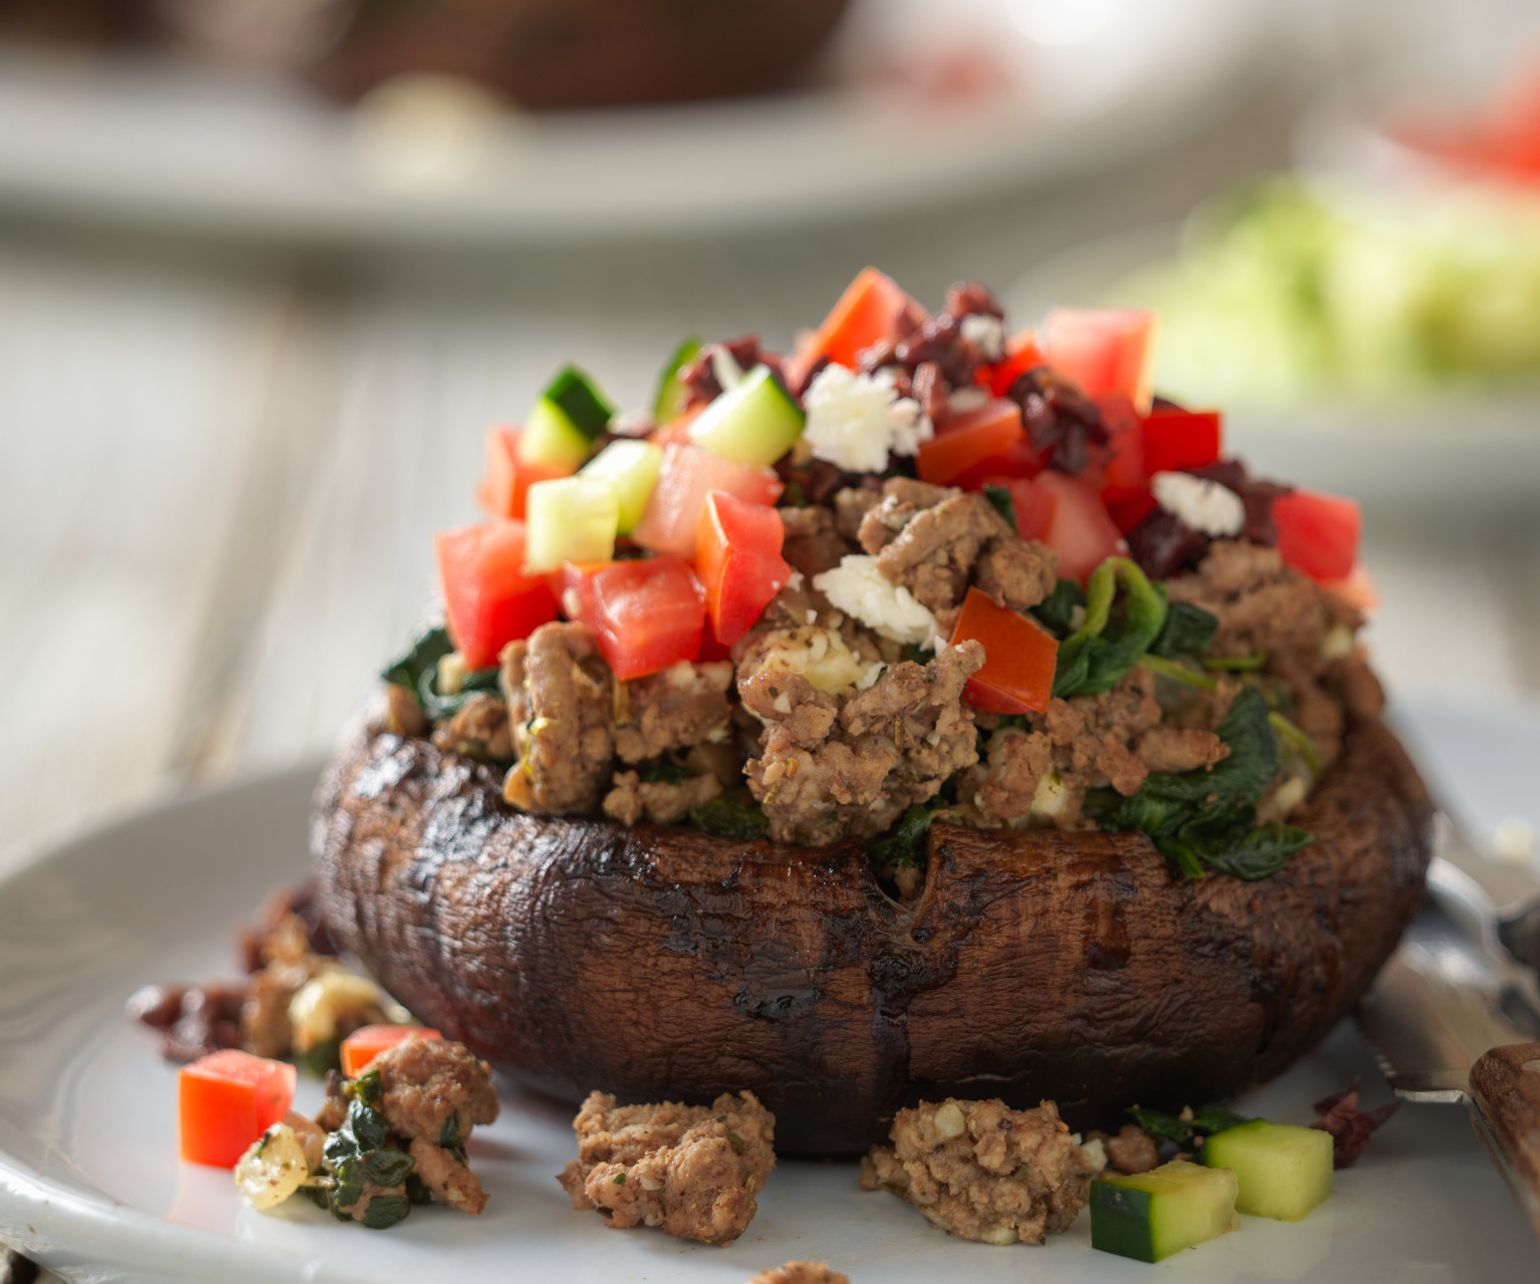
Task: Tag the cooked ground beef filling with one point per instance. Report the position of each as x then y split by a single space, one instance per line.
983 1171
692 1171
832 722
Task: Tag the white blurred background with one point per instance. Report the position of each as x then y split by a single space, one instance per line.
268 271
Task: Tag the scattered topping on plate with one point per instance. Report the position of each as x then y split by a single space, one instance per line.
1350 1127
692 1171
1149 1216
983 1171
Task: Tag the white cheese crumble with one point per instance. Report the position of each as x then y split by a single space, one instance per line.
1203 504
965 400
986 333
823 657
859 589
728 372
857 420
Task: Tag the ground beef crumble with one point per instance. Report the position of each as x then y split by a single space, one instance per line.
983 1171
800 1273
693 1171
425 1083
829 766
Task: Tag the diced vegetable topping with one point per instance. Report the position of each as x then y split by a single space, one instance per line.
1149 1216
646 615
1104 350
872 308
1032 505
1019 657
572 519
1317 533
1174 440
738 556
226 1101
1080 529
1284 1171
631 469
569 417
669 400
1022 353
507 479
992 430
687 475
363 1045
489 598
754 422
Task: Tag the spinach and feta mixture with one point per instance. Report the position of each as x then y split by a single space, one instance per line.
919 567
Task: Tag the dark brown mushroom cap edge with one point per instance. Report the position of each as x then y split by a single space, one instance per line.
664 963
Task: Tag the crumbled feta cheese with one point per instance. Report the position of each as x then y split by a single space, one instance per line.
1203 504
857 420
821 656
965 400
859 589
631 423
794 581
728 372
1338 643
1051 799
986 333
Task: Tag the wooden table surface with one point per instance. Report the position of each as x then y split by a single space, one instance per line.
220 470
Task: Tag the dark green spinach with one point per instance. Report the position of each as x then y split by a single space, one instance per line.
1116 630
736 816
1203 1122
1206 820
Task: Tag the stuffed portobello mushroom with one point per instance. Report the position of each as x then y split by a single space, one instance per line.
925 712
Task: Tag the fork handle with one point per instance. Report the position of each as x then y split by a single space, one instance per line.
1505 1089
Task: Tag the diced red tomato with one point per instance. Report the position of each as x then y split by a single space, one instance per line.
364 1044
677 429
872 308
1032 504
738 557
1020 460
969 439
688 474
488 599
502 489
1081 531
573 586
1317 533
1124 482
646 614
1019 657
1128 508
1357 590
1103 350
1176 440
226 1101
1022 353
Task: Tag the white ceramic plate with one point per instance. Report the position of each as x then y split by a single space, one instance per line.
163 143
1447 449
90 1184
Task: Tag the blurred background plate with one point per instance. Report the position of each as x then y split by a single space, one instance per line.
1448 446
1010 93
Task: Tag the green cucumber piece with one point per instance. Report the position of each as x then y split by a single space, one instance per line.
631 469
669 400
570 415
1284 1170
1149 1216
569 519
754 422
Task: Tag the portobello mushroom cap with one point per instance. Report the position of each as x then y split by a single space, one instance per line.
658 963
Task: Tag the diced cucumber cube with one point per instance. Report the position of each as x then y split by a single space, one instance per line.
561 429
569 519
631 469
1284 1170
754 422
669 400
1149 1216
